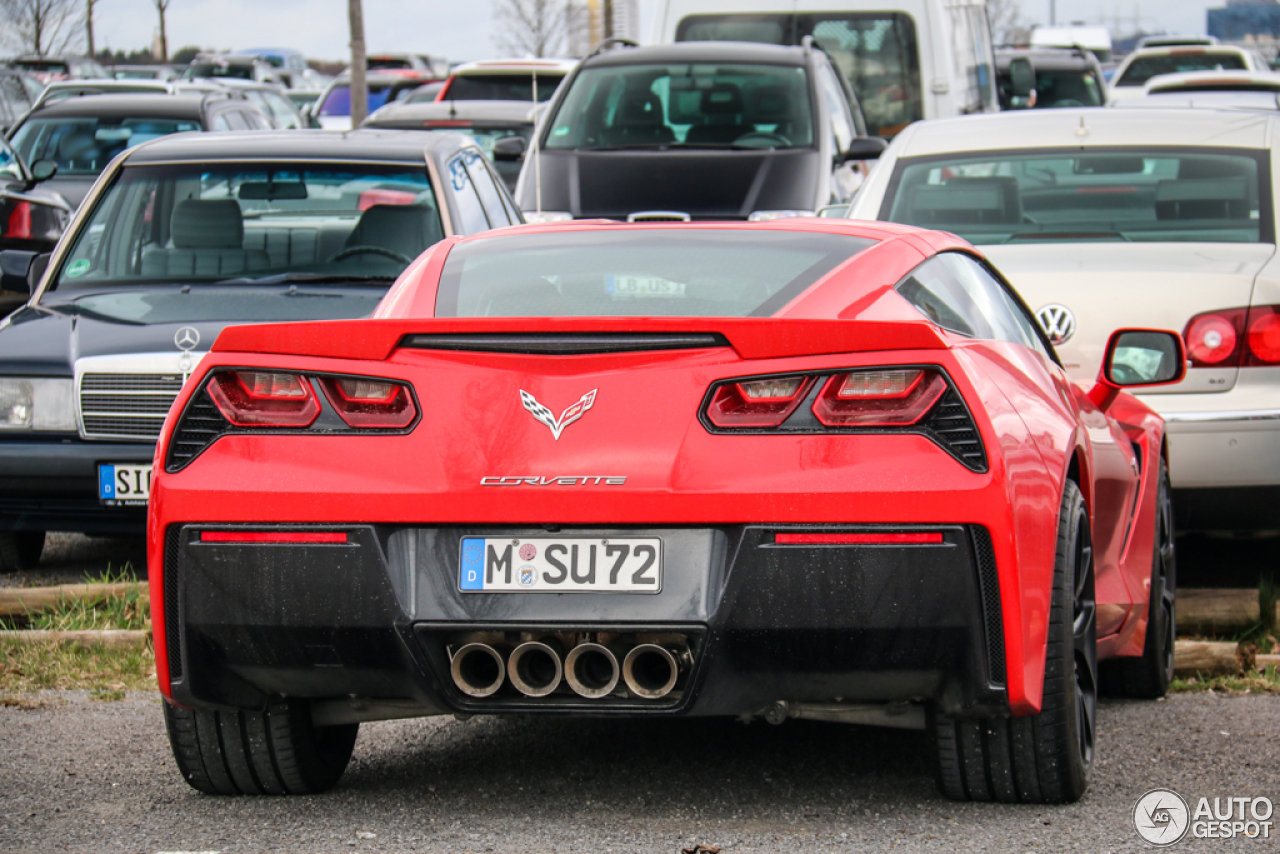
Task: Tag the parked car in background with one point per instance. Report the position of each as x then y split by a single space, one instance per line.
486 122
1107 217
1141 65
224 66
303 99
1246 90
1175 41
697 130
60 89
15 98
144 72
846 478
505 80
1096 40
333 108
906 59
425 93
32 218
434 66
1063 78
82 134
183 236
272 98
49 68
290 65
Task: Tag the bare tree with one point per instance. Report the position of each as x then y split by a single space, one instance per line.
359 64
41 27
537 27
162 6
1006 21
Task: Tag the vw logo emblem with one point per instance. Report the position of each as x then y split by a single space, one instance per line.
186 338
1058 322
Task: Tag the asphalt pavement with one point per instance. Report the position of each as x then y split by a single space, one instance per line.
84 775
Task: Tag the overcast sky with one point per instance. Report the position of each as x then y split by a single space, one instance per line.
460 29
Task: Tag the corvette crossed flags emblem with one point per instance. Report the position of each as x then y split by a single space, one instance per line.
570 415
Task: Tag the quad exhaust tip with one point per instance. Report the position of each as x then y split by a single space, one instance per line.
535 668
591 670
478 670
650 671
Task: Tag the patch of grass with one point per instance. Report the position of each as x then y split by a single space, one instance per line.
1253 683
112 612
29 667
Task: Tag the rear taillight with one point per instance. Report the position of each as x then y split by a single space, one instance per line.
19 225
879 398
1234 338
758 403
369 403
262 399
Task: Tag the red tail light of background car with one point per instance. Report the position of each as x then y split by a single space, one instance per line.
1234 338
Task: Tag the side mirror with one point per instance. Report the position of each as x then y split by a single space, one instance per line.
509 148
15 270
865 148
834 211
1139 357
43 170
1022 77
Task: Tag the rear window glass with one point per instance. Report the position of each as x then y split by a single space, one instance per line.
84 146
1068 89
1146 195
1145 67
502 87
638 272
338 101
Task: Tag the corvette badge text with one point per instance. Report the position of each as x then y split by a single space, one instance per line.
1163 817
560 480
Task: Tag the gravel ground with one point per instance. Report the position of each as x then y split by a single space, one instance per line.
68 558
82 775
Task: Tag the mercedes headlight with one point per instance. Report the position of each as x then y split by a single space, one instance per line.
37 404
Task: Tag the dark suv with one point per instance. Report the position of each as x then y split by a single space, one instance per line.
697 130
82 134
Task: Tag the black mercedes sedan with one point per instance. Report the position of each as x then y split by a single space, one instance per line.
183 236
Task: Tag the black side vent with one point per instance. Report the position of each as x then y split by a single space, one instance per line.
952 425
565 343
199 426
172 621
993 617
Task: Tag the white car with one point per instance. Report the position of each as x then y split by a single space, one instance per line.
1248 90
1103 218
1141 65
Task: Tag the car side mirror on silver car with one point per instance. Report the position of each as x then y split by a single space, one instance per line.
509 148
1137 358
865 148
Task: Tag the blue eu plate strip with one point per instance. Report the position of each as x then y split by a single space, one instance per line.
106 481
471 573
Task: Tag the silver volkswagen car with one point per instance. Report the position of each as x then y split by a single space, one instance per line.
1103 218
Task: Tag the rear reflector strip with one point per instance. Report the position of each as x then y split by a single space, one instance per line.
857 539
273 536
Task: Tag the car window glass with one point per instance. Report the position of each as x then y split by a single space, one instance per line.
471 213
220 122
256 121
85 145
9 167
1143 68
837 107
503 87
487 188
282 111
955 292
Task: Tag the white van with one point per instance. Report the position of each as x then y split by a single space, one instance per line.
906 59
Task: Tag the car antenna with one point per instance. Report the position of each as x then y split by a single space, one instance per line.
537 149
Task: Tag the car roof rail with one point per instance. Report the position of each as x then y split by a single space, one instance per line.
610 44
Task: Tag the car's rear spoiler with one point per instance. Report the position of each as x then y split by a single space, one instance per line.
751 338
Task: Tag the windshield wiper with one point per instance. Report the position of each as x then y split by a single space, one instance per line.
310 278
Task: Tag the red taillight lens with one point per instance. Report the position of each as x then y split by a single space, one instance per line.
19 225
1212 337
369 198
879 398
1264 336
370 403
262 399
758 403
273 536
868 539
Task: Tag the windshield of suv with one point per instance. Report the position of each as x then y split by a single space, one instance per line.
250 223
1144 68
1052 196
1068 89
197 70
710 106
85 145
876 51
653 272
503 87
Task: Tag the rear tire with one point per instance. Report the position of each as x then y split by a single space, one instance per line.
1148 676
1042 758
20 550
276 752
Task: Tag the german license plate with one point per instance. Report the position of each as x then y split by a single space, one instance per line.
124 484
560 565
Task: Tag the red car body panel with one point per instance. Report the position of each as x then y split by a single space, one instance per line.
1036 427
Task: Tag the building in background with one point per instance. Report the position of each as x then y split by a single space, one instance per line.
1255 23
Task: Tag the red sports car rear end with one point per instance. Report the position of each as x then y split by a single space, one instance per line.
806 469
